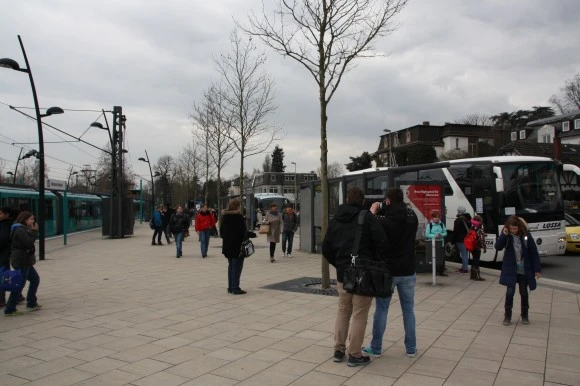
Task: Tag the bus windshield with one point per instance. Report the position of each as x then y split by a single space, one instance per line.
530 188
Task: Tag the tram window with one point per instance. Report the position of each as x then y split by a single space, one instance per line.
333 193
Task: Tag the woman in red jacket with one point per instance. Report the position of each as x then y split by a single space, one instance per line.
204 221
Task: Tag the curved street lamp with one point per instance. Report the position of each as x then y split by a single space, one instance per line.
13 65
151 174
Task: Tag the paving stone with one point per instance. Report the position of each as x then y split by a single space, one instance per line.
509 377
464 376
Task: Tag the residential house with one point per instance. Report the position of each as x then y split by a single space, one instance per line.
284 184
444 138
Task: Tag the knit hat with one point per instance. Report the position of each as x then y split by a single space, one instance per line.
461 210
475 223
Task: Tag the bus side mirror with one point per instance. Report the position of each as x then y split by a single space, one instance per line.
498 179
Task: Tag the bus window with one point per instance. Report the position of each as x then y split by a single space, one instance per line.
531 188
377 186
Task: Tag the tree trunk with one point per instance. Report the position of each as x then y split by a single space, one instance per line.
324 182
242 181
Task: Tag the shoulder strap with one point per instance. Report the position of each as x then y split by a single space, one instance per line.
464 223
430 227
359 230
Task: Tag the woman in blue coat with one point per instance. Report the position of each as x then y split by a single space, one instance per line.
521 265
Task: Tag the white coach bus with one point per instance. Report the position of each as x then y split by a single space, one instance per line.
493 187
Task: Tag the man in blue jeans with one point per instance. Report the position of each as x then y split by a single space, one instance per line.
400 225
178 225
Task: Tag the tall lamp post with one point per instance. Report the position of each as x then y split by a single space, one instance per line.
12 64
295 187
152 182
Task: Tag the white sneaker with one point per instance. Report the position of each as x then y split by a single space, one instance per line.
289 255
412 355
283 254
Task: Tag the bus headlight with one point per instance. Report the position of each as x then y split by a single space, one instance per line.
574 236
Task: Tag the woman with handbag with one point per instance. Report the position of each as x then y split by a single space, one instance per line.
274 220
233 232
23 235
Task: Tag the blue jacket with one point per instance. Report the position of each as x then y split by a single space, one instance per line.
509 270
157 220
433 228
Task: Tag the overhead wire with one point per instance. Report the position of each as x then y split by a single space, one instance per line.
44 108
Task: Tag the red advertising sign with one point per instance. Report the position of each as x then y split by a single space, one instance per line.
426 198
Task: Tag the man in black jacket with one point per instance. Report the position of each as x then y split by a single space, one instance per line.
400 225
337 249
178 225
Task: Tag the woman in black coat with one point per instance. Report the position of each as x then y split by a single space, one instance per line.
22 256
233 231
5 244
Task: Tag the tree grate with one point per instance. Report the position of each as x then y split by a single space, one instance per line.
307 285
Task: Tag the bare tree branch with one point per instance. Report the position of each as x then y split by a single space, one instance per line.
325 36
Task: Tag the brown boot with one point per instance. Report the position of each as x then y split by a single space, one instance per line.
478 276
473 274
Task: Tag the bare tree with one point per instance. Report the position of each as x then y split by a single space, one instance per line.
325 36
476 119
189 166
570 97
248 94
334 170
267 164
213 117
453 154
166 168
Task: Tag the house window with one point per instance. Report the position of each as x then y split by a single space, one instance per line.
456 143
565 126
273 189
288 189
408 136
272 177
305 178
546 138
514 136
577 124
522 134
473 149
289 178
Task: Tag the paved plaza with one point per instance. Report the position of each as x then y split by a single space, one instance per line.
121 312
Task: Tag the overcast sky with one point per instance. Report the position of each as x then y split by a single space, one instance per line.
449 58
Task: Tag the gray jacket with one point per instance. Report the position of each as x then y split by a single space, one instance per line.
290 221
23 249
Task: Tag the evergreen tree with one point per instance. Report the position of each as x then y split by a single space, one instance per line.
364 161
278 160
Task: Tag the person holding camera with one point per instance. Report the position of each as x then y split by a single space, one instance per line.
400 225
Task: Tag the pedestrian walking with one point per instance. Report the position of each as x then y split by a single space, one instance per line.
6 222
477 226
274 220
290 226
178 226
24 232
460 229
337 249
158 226
204 222
521 265
165 216
400 225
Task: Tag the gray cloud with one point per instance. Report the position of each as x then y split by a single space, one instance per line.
448 58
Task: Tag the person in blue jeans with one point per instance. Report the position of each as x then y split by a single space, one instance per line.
400 224
204 222
290 223
23 234
178 225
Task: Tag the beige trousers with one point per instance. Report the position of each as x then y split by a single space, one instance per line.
357 307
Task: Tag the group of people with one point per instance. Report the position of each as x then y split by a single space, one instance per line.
177 225
389 234
17 251
283 224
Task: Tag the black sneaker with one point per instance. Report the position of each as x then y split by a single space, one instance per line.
507 321
525 320
239 292
338 356
354 361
